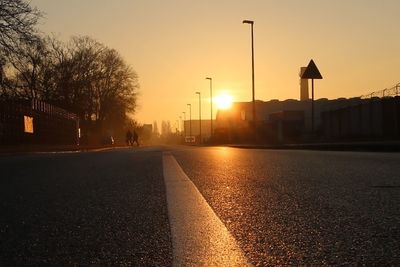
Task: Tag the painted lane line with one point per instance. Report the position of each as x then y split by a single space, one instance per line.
199 238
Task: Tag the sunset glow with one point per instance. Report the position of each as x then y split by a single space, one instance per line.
223 101
173 45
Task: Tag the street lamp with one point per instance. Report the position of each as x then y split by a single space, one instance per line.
190 120
252 75
180 125
198 93
184 128
211 100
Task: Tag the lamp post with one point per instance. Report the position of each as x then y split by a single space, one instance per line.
252 75
198 93
184 128
190 120
211 100
180 125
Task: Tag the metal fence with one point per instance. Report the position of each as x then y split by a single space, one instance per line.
47 124
374 118
387 92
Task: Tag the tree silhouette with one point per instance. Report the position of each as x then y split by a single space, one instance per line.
82 75
17 25
17 29
91 80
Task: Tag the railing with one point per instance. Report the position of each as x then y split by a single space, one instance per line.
387 92
51 124
52 110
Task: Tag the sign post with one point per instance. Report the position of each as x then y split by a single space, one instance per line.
312 73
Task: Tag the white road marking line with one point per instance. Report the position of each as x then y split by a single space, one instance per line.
199 238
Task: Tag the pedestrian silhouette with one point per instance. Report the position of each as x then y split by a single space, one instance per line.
129 136
135 138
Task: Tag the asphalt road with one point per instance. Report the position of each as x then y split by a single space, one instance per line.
84 209
282 207
303 207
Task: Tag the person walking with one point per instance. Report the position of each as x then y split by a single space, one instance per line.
129 138
135 138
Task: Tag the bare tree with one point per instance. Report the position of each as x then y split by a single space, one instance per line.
29 65
117 86
17 25
92 80
17 32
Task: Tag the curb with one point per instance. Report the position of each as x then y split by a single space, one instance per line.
53 149
361 147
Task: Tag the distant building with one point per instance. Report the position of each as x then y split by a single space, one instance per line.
205 129
148 128
303 86
273 116
286 126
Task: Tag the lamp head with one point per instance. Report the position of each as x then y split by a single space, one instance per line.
248 22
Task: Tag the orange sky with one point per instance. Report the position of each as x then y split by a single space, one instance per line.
174 44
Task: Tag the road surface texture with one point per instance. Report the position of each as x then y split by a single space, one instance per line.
303 207
84 209
172 206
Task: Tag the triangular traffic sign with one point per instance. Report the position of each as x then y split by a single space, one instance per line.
311 71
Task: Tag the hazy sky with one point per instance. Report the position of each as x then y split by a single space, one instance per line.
174 44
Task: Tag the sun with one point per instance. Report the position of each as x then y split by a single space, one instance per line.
223 101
